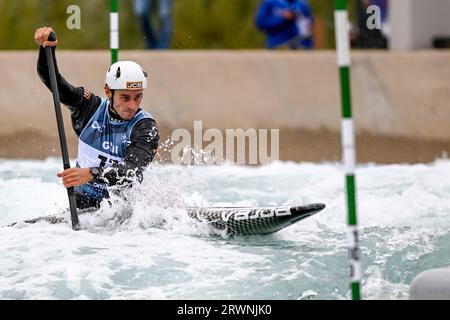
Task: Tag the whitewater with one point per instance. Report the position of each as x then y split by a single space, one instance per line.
153 250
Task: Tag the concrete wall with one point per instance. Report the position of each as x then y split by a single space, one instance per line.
396 95
415 22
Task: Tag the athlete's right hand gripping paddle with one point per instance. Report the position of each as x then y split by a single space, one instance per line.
60 123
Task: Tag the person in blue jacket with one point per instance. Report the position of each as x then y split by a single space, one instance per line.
286 23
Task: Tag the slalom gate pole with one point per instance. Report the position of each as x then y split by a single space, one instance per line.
62 135
114 31
348 142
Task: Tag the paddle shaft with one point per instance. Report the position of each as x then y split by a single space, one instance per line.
62 135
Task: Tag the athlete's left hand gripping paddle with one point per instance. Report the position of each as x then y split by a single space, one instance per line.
62 136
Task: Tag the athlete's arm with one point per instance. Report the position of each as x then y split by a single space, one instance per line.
81 102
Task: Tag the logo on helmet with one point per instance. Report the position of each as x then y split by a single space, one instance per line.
134 85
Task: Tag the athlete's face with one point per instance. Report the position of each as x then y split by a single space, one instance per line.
127 102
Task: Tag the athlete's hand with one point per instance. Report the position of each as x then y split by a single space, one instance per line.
75 176
41 37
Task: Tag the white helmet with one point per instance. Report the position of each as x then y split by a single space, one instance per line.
126 75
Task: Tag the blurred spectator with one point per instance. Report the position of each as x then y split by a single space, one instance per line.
286 23
365 37
143 11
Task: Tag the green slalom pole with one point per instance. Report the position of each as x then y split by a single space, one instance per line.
348 142
114 31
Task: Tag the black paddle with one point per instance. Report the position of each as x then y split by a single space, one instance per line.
62 136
